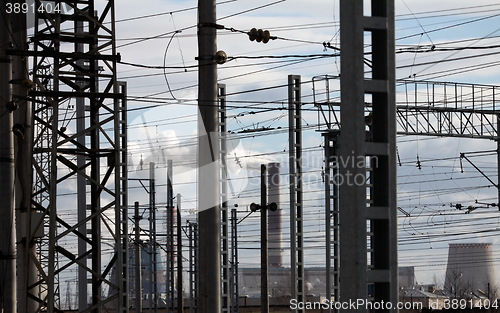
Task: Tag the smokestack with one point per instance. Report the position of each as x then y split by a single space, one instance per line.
275 243
470 267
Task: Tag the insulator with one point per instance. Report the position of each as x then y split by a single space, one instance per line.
28 84
260 35
266 36
252 34
220 57
273 206
12 106
18 130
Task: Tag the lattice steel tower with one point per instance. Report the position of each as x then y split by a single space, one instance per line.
80 140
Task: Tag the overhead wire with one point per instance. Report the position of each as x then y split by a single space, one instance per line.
194 26
245 107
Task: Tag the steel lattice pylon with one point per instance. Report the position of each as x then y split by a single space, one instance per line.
74 69
225 278
296 194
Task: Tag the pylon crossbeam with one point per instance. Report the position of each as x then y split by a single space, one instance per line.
427 108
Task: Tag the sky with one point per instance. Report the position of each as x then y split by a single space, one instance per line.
440 41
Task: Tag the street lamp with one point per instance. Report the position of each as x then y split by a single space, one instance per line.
254 207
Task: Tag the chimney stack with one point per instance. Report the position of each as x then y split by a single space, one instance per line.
275 242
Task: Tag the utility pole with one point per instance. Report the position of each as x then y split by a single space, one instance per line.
296 203
331 216
225 289
7 242
23 150
193 266
209 215
170 239
138 266
498 160
234 262
180 295
360 271
152 240
264 306
353 276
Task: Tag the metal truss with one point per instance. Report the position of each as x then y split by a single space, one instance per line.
427 108
448 109
422 108
74 57
324 100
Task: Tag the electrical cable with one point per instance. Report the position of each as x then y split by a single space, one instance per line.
165 61
251 10
416 19
433 191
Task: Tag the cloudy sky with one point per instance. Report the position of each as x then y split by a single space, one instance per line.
452 41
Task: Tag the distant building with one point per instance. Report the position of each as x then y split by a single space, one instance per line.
279 282
314 282
406 276
427 300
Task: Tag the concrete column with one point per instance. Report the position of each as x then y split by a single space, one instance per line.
209 216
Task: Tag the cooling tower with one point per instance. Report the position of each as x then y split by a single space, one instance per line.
470 267
275 242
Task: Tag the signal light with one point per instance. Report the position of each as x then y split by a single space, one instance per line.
259 35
